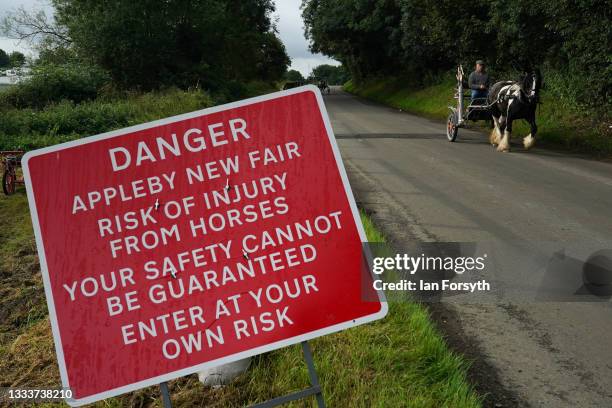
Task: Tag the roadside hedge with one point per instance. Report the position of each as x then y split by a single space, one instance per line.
59 122
55 83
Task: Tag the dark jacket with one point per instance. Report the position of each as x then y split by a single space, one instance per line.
478 78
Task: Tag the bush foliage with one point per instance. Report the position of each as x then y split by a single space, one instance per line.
55 83
32 128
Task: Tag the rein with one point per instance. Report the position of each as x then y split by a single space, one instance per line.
500 99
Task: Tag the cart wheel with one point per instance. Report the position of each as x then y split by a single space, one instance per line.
8 183
451 127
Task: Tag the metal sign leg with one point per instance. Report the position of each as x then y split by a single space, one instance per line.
312 373
314 389
165 395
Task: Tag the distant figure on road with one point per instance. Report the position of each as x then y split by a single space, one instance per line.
479 81
323 87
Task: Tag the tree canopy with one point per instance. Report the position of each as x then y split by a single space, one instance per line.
425 37
17 59
332 74
4 59
147 44
294 76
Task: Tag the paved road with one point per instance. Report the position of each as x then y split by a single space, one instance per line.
527 205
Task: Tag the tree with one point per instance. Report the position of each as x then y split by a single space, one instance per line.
273 60
56 56
17 59
574 39
363 35
294 76
4 59
437 34
148 44
420 39
34 27
333 75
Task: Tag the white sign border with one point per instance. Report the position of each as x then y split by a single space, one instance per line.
224 360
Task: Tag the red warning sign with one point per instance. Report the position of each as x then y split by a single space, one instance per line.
195 241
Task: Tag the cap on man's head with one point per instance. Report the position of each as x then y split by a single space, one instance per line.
480 62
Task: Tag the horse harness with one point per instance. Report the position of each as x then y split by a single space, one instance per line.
508 92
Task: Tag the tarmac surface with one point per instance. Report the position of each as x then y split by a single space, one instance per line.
535 212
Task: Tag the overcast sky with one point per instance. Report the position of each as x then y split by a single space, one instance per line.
291 31
290 27
8 5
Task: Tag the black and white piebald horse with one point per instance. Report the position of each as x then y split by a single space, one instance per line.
509 101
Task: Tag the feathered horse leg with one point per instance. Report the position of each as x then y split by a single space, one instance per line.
504 144
495 136
529 140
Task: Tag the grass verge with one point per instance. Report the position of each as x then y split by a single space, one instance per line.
399 361
558 123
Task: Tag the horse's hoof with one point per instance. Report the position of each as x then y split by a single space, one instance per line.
503 149
528 141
